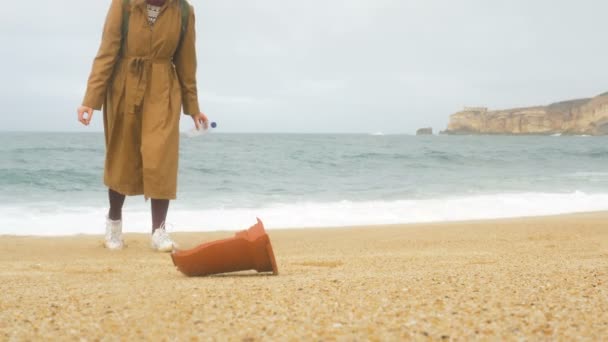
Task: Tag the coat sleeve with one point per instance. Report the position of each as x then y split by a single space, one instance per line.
106 58
185 65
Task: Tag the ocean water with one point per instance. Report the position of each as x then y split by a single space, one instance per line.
51 183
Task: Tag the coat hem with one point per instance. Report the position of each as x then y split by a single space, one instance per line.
129 191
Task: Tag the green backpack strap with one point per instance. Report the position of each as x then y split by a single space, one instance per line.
185 7
126 15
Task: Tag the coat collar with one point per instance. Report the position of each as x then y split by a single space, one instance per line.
143 2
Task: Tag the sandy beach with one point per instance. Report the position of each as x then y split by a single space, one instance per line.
535 278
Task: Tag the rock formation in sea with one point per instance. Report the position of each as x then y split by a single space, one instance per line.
575 117
425 131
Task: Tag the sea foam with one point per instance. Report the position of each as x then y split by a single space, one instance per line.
39 220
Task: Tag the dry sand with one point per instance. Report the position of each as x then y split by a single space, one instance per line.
539 279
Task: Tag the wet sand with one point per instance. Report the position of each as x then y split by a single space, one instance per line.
538 278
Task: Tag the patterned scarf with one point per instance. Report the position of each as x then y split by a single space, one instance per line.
156 2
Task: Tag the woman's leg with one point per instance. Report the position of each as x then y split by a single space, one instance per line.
116 202
159 213
113 239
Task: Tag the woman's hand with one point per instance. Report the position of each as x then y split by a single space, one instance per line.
81 111
200 119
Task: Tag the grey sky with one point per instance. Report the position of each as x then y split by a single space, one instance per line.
323 65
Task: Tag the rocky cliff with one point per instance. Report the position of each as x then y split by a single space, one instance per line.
583 116
425 131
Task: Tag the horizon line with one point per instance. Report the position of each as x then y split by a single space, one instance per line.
227 132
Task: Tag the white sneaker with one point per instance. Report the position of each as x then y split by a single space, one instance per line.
161 241
113 240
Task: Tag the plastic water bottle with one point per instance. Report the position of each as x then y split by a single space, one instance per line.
202 131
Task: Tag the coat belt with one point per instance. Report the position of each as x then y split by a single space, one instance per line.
139 70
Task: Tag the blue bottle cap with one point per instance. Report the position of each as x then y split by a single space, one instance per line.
213 125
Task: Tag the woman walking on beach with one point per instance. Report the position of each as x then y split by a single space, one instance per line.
144 72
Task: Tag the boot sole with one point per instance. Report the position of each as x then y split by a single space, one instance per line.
247 250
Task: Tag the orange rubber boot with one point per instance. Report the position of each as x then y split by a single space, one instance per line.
247 250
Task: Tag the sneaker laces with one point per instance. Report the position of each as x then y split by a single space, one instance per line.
163 235
115 228
113 236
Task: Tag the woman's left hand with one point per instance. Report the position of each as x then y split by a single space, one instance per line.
200 120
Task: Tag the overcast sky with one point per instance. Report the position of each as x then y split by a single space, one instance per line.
323 65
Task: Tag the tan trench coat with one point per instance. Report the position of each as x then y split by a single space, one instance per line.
142 91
